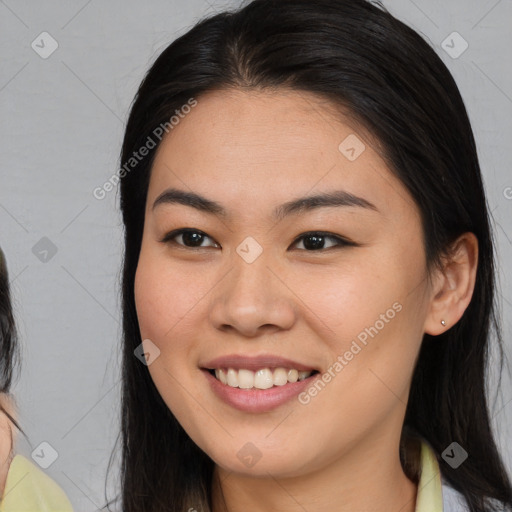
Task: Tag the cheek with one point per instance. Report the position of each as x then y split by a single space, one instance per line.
165 297
352 297
371 312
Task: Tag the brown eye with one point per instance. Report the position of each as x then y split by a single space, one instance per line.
316 240
189 238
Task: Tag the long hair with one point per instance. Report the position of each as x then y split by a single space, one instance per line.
9 349
358 56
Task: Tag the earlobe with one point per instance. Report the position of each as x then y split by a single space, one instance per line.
454 285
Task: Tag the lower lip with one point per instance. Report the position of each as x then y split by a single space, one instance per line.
257 400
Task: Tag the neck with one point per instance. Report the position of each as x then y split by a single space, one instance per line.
368 477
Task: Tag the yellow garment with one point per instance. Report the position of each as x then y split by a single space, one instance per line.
29 489
430 493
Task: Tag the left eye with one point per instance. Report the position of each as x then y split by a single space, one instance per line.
316 240
312 241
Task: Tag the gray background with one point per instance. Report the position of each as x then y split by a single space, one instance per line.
61 126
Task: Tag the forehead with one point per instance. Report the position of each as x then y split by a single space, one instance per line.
280 125
270 146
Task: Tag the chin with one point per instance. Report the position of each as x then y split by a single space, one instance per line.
251 461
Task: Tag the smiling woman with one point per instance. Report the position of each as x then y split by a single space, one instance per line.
326 176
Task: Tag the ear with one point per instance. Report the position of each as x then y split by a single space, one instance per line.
453 285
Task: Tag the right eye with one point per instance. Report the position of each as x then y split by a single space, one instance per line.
191 238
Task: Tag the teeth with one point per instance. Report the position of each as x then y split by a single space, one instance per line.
293 375
245 379
221 375
262 379
280 377
232 378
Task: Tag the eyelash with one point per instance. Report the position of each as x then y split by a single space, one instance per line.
341 242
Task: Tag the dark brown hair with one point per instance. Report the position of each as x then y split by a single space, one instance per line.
358 56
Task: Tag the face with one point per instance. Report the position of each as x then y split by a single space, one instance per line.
260 285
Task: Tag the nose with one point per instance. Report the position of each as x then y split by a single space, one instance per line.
253 299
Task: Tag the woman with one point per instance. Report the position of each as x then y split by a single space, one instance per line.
308 278
23 486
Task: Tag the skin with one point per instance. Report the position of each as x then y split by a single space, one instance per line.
7 437
252 151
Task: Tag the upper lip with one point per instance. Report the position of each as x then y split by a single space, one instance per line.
255 363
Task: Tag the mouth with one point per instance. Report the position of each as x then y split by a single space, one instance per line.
263 378
258 383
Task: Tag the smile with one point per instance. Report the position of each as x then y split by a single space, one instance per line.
264 378
277 386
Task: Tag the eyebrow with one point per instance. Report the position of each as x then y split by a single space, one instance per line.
296 206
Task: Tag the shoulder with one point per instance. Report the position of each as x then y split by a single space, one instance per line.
29 488
453 500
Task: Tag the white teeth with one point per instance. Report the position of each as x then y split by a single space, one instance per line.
280 377
221 375
293 375
232 378
245 379
262 379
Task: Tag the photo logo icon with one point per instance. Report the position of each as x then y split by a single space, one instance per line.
147 352
249 250
249 455
44 250
44 45
351 147
454 45
454 455
45 455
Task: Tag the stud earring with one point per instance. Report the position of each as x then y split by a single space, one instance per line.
443 322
